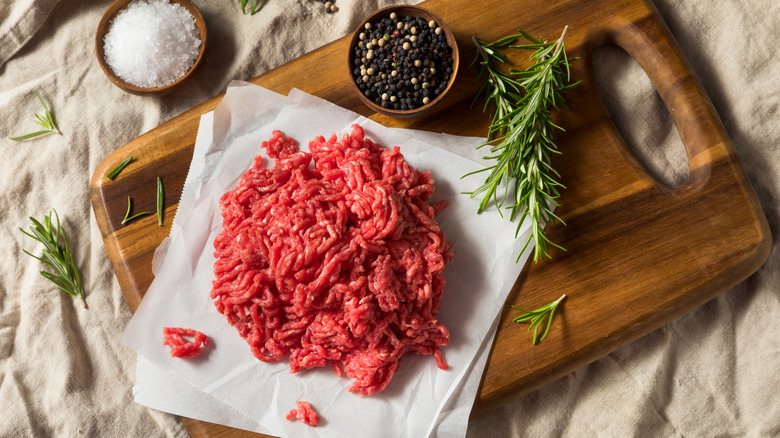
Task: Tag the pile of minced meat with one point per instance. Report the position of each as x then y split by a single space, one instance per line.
333 257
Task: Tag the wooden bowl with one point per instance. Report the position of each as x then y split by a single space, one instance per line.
402 11
111 13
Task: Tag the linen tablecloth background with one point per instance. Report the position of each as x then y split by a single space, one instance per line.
63 372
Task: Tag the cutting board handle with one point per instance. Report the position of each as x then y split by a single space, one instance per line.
652 45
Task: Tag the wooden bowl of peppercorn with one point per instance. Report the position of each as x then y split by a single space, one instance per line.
402 61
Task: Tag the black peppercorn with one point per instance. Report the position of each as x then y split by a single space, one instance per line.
402 62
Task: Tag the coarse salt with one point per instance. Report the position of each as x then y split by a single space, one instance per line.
152 43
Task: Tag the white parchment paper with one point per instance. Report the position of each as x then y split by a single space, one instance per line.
421 400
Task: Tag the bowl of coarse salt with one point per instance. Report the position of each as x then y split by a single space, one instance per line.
150 47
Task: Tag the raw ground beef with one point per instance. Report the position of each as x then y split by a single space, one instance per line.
174 337
304 413
333 255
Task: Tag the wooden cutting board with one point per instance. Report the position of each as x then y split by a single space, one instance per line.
640 254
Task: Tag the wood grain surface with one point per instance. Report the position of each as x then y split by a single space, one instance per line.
640 254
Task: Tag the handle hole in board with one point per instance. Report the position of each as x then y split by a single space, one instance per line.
647 128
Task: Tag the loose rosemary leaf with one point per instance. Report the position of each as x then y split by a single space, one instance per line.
128 218
113 174
160 200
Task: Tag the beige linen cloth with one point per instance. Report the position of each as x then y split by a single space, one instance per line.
713 372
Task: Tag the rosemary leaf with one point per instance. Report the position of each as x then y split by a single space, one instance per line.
56 255
30 135
119 168
128 218
160 200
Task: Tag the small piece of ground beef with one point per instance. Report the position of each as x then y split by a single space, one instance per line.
182 348
304 413
333 256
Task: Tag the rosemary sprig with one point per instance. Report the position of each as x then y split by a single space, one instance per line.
521 134
160 199
253 8
47 121
128 218
57 256
536 317
119 168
